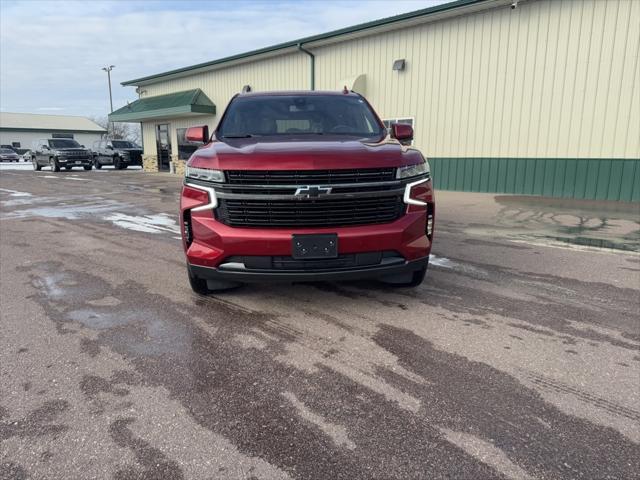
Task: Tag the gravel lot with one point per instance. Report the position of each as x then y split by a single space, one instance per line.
519 357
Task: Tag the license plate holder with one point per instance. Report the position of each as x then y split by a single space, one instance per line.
78 161
314 247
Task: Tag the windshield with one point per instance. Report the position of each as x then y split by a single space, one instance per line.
299 115
6 151
63 143
123 144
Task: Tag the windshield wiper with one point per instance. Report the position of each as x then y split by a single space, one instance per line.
237 136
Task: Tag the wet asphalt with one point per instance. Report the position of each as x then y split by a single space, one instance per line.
519 357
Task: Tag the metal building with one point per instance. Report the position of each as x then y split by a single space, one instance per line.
530 97
20 130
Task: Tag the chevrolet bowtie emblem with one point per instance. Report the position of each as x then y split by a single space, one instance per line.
309 191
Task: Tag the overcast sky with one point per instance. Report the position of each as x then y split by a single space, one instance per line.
51 53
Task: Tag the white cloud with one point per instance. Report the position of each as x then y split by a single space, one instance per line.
52 52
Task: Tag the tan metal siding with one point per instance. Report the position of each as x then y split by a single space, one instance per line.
552 78
549 79
290 71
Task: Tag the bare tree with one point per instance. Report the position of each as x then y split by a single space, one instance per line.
120 131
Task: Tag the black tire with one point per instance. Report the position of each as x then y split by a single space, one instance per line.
198 285
207 287
123 166
116 163
55 166
36 166
408 280
97 164
67 168
87 167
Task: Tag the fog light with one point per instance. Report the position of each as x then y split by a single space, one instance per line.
431 210
187 230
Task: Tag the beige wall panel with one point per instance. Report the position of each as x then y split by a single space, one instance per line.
284 72
551 78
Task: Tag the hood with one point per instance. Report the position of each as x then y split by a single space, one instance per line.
302 154
9 155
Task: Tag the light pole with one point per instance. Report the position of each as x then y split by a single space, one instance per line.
108 70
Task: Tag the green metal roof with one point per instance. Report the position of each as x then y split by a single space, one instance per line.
315 38
163 106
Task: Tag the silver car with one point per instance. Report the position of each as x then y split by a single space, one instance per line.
8 155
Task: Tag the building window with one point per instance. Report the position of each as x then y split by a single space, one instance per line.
15 144
62 135
185 147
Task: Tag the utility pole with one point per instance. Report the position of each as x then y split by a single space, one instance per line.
108 70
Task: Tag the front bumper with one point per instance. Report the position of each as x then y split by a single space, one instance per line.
131 161
245 275
214 243
75 162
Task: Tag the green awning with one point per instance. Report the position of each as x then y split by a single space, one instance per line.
179 104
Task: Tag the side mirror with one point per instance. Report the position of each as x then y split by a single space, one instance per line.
401 131
198 134
109 147
45 147
83 146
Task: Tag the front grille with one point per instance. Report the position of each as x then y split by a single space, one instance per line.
310 177
135 156
310 213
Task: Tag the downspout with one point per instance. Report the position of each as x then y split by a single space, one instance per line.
313 65
141 127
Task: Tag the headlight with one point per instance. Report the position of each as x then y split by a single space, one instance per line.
413 170
204 174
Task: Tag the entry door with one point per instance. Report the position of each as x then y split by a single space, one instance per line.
163 144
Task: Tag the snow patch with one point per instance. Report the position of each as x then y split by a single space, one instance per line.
441 262
69 211
16 166
145 223
15 193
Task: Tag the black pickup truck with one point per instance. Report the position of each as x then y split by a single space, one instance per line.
119 153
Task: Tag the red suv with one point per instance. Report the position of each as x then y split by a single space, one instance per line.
305 186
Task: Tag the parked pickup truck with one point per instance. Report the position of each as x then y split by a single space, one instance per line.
119 153
305 186
60 152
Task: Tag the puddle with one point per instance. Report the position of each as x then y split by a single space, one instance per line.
75 297
608 226
596 243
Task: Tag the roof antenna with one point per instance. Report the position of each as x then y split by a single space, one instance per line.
345 90
246 89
